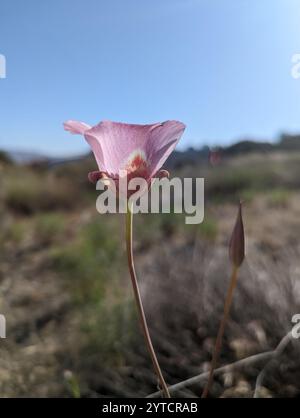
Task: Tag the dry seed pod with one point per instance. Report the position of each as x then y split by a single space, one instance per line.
237 241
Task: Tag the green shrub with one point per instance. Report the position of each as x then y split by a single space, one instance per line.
279 198
90 261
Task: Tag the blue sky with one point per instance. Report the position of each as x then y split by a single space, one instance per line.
221 66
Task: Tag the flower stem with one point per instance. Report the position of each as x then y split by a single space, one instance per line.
139 303
219 339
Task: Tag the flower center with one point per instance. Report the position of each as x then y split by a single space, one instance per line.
137 165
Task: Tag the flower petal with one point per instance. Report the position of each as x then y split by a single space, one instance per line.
113 143
94 176
76 127
81 128
162 174
162 141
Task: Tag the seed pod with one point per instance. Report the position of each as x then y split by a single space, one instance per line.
237 241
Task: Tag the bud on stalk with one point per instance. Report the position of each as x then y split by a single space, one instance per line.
237 241
236 255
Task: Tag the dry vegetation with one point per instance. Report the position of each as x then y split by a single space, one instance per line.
66 294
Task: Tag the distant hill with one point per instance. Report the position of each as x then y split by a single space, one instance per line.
289 142
23 157
247 146
4 157
192 156
177 159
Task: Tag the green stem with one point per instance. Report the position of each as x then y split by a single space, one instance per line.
218 344
139 303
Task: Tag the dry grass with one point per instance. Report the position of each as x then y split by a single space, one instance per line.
66 294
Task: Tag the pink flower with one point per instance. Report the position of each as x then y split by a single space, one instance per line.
139 150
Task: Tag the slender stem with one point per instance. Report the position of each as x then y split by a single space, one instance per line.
219 339
139 303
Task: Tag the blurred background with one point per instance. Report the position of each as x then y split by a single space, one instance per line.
225 69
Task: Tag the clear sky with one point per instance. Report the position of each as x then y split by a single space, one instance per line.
223 67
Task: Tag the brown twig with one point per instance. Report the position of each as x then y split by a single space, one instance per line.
276 353
246 362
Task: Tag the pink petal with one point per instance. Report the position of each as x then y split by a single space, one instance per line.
94 176
162 174
76 127
162 141
114 143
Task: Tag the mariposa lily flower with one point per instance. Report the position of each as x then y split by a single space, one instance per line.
137 150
